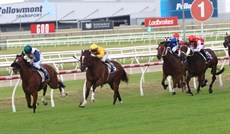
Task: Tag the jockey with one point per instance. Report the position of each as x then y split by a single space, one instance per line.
35 59
175 41
197 45
177 35
102 54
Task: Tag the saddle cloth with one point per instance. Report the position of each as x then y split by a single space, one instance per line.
109 68
42 75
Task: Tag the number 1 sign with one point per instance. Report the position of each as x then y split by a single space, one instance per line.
201 10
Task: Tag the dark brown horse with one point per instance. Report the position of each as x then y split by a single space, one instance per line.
97 74
32 81
226 44
196 66
171 66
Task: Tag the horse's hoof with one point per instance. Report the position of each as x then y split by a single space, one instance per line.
37 104
63 94
173 93
45 103
81 106
92 101
190 93
210 91
165 87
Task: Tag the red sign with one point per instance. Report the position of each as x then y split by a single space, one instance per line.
155 22
201 10
42 28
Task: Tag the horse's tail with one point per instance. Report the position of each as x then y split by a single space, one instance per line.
61 84
220 71
124 77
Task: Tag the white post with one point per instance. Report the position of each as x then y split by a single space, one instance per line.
169 83
13 94
52 98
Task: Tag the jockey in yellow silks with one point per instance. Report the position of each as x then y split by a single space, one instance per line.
102 54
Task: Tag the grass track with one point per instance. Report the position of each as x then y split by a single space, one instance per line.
157 112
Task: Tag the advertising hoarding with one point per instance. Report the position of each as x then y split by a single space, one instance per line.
42 28
155 22
174 8
97 25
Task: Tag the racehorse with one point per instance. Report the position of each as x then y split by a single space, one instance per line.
171 66
196 66
97 74
226 44
32 81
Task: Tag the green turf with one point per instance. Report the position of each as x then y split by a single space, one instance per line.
157 112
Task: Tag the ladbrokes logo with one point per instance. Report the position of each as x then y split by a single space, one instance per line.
161 21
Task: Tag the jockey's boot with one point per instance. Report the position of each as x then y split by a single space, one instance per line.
47 78
112 67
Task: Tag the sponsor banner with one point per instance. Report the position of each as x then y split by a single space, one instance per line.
97 25
174 8
42 28
155 22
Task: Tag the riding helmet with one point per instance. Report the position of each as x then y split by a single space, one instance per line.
93 47
192 38
176 35
27 49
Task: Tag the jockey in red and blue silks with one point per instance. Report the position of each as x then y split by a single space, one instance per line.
175 41
35 59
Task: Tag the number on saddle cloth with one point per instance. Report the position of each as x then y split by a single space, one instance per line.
111 67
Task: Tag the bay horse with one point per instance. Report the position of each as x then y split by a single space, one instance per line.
32 81
171 66
226 44
97 74
196 66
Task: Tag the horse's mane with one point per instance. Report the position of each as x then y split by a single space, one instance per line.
93 57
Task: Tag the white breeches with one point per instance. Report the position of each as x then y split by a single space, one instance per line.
175 48
38 63
105 57
198 48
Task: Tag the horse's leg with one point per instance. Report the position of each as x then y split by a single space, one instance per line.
213 79
163 81
115 87
61 87
35 97
187 83
28 99
44 96
116 92
174 85
93 94
88 86
200 81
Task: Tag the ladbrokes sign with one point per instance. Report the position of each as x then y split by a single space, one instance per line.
155 22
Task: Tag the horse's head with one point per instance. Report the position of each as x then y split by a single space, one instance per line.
185 51
162 49
18 63
85 59
226 42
